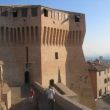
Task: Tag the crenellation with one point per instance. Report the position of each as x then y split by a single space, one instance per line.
29 34
18 35
61 37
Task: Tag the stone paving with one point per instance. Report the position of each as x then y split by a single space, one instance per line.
104 103
26 104
44 105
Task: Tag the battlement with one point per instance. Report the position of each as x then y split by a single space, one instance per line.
35 24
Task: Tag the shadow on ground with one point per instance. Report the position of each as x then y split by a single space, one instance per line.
106 99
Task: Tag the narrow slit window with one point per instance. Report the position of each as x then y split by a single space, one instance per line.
56 55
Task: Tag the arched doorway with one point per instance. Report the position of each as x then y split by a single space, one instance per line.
51 82
100 92
27 77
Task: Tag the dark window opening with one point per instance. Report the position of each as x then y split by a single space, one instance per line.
27 77
4 13
100 92
77 18
34 12
105 80
99 73
56 55
15 14
24 12
51 82
45 13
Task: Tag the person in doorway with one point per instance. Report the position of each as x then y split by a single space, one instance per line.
51 96
31 94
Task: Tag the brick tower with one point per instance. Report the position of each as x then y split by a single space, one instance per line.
42 44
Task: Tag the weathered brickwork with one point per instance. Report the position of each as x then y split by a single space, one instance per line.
46 43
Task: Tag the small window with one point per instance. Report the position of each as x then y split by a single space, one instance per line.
34 12
4 13
45 13
15 14
24 12
99 73
56 55
100 92
77 18
105 80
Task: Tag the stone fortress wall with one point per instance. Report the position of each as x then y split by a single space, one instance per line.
50 41
20 30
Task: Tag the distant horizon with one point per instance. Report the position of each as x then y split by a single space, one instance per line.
93 57
97 55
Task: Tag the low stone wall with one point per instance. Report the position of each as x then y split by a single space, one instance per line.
6 96
68 104
7 99
2 106
63 100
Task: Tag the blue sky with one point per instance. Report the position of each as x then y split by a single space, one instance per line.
97 13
